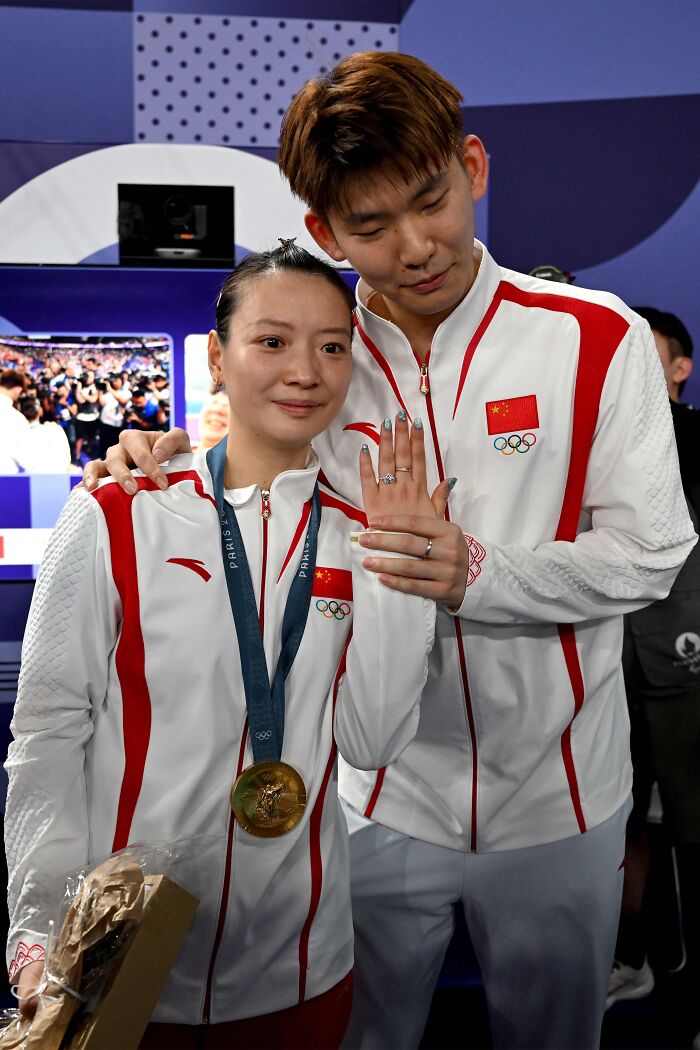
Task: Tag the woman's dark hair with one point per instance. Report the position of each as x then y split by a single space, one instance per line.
288 258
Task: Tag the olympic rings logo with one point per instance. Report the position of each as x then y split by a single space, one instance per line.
514 443
264 734
333 610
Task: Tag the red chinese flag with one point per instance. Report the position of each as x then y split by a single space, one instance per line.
511 414
332 583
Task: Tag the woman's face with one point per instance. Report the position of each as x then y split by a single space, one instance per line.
286 363
214 420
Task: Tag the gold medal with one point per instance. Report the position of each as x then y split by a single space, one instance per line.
269 798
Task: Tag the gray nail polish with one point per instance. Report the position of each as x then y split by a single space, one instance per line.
402 415
417 423
451 482
387 423
365 448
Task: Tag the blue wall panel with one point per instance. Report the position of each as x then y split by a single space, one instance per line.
66 75
512 51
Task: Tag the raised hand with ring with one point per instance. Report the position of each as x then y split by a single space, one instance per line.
437 556
381 494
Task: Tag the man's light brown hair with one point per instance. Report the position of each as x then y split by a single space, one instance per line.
375 111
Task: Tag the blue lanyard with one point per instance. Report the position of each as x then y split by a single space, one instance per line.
265 704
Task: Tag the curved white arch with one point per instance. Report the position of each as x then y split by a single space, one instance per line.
69 212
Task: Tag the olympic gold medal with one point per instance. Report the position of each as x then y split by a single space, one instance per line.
269 798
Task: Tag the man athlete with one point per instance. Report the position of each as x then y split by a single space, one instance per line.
548 404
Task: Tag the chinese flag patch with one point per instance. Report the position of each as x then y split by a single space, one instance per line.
332 583
512 413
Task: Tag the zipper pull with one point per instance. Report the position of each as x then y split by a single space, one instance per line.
424 386
265 496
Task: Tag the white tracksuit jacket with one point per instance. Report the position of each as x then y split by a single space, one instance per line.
548 404
130 726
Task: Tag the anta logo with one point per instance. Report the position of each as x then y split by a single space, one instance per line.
192 563
370 430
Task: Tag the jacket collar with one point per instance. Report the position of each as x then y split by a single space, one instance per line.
289 489
460 325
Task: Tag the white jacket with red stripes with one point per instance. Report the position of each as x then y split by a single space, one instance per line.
548 403
130 726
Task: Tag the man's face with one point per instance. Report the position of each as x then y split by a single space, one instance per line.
412 242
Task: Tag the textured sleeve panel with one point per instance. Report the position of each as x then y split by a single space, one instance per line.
71 629
639 533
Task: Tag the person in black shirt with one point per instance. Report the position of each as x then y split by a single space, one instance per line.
661 661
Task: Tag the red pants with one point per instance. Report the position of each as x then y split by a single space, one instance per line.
318 1024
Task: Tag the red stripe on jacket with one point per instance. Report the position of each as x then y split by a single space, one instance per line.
345 508
305 515
383 364
130 659
601 332
315 841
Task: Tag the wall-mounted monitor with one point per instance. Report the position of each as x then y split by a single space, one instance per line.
176 226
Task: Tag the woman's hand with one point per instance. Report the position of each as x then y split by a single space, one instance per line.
30 977
439 562
145 450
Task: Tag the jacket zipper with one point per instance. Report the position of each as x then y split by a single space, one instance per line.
425 390
265 513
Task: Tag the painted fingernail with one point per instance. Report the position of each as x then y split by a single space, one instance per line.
387 423
417 423
365 448
131 486
451 482
402 415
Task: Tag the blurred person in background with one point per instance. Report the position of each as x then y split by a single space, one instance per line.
213 420
661 662
144 413
15 450
50 450
87 416
113 400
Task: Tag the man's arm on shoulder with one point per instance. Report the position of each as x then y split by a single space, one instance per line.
141 450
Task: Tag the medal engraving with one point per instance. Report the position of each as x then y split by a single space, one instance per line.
269 798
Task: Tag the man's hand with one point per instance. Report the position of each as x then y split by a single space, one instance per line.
30 977
439 562
439 565
145 450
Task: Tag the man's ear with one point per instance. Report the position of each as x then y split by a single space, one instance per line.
214 357
681 367
324 236
476 163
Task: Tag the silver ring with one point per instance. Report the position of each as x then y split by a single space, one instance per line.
426 553
403 470
388 479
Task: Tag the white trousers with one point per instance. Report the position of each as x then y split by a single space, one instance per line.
543 922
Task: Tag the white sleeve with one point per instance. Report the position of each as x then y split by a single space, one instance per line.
378 703
636 529
71 630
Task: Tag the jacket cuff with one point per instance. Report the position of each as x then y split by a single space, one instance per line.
28 949
478 564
